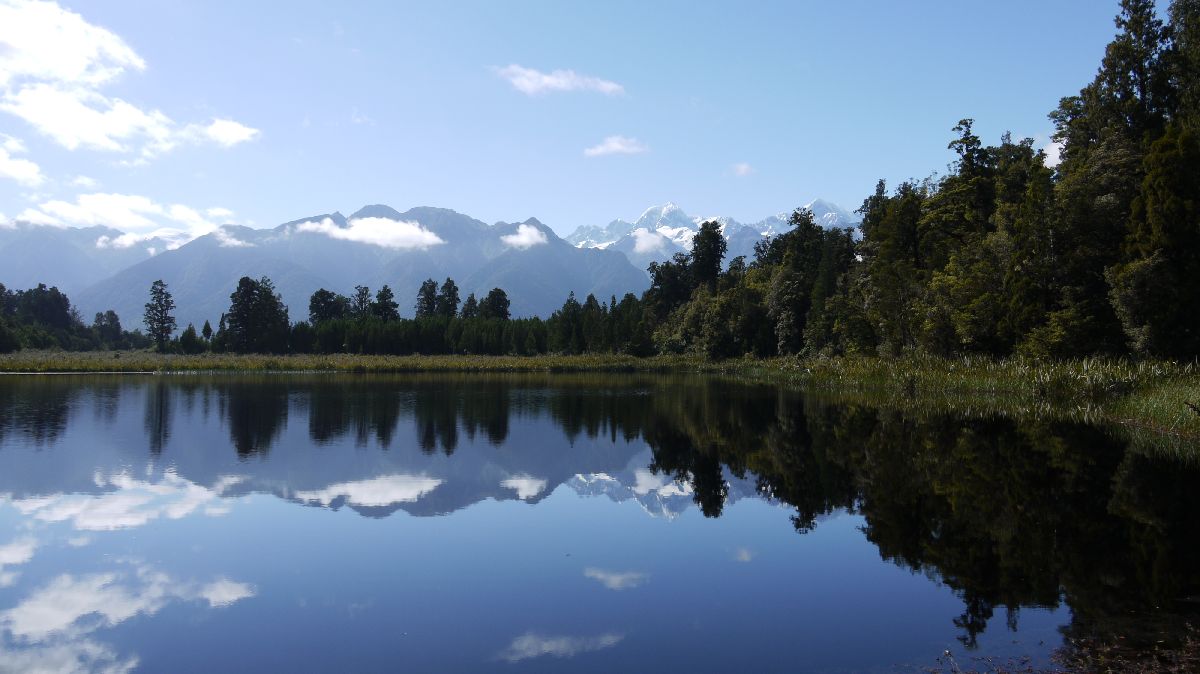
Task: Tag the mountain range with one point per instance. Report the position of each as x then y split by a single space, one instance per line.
662 231
103 268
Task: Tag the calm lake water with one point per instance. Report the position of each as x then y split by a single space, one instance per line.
550 523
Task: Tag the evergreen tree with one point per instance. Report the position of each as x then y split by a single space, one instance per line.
470 308
257 321
446 302
708 251
108 328
159 320
384 307
427 299
325 305
189 341
207 331
1157 293
360 304
495 305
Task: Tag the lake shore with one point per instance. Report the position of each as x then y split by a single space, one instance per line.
1162 398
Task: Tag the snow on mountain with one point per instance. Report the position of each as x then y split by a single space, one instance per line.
595 236
662 231
658 494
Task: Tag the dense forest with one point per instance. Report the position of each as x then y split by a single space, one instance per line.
1005 254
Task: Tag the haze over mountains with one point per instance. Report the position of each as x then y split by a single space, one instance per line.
103 268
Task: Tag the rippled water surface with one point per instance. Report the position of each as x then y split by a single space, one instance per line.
529 523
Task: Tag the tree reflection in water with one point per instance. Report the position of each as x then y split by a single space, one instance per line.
1007 513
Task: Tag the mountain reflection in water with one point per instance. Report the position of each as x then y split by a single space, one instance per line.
1036 515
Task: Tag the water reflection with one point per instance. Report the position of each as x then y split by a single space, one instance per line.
1009 515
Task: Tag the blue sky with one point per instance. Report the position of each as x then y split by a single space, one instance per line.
146 114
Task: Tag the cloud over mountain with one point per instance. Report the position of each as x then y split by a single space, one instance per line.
382 232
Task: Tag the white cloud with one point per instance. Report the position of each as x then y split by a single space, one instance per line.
11 145
526 486
743 555
123 211
526 236
224 592
15 553
534 82
36 217
25 172
46 42
377 492
139 217
107 599
646 241
85 182
219 213
533 645
223 132
227 240
616 145
79 656
82 118
52 67
131 503
1053 151
614 580
376 231
742 169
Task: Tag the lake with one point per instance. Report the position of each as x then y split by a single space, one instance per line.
565 522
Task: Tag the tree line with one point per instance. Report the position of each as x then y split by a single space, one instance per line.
1005 254
43 318
257 322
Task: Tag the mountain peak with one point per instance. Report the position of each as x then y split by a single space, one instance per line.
376 211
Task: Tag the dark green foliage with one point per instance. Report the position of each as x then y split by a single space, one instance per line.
302 338
107 327
43 318
495 305
325 305
8 338
1156 293
360 304
470 307
446 302
257 321
384 307
160 322
708 251
189 341
426 305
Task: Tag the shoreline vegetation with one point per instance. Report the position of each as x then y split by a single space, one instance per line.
1158 398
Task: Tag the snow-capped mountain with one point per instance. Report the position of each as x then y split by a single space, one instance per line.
662 231
658 494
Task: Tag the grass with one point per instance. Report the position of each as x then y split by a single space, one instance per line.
149 361
1161 399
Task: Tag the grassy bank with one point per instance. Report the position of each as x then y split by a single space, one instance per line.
149 361
1154 397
